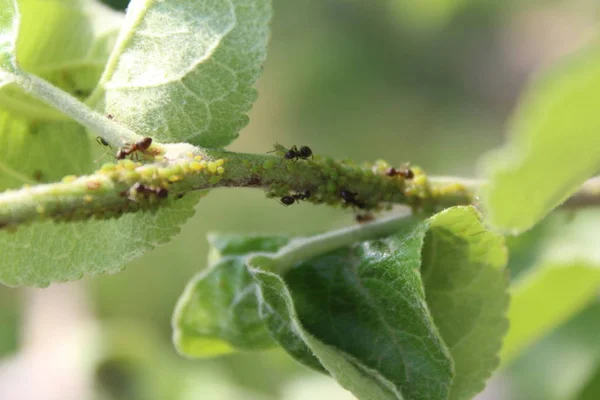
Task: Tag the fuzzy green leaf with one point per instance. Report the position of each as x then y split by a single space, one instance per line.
552 149
563 279
65 42
47 252
466 288
218 311
368 303
32 153
38 143
591 390
183 70
374 290
365 383
9 20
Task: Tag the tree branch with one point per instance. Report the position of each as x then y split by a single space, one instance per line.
128 186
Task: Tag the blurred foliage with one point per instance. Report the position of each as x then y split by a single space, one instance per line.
403 81
559 266
558 365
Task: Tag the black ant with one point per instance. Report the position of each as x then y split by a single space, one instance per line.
289 200
160 192
293 153
404 172
141 146
350 198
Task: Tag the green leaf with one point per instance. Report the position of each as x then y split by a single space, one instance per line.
466 290
218 310
576 344
9 19
37 142
32 152
368 303
352 374
237 245
65 42
184 69
564 278
42 253
552 149
373 290
591 390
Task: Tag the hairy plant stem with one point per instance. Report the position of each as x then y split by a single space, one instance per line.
305 248
128 186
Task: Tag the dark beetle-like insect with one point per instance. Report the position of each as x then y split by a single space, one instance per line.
289 200
293 153
141 146
350 198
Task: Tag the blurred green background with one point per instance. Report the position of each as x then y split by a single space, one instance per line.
432 82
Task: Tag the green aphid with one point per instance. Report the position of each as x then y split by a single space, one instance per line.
269 163
130 176
332 187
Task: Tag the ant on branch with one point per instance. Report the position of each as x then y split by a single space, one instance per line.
293 153
289 200
140 146
160 192
405 172
350 198
147 191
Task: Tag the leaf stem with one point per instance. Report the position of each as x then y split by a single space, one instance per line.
305 248
116 134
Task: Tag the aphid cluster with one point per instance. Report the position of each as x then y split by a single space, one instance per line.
289 200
